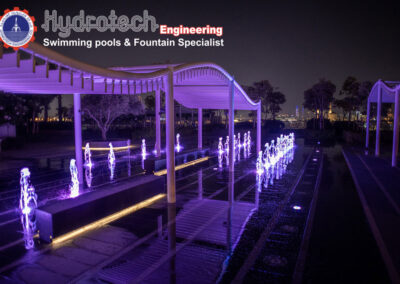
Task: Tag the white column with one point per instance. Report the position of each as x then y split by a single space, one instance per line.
78 136
200 128
170 136
158 125
259 128
395 149
367 126
378 121
231 124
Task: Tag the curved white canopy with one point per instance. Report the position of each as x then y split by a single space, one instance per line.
44 71
389 89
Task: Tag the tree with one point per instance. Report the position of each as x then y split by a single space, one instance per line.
274 100
45 100
318 98
60 108
355 95
12 109
260 91
104 109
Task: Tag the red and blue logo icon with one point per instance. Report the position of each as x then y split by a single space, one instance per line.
17 28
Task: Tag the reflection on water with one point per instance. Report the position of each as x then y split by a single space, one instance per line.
172 242
88 176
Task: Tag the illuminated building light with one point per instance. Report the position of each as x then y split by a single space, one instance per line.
179 167
74 185
108 219
227 144
296 207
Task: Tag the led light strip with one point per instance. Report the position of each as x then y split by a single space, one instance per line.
108 219
179 167
108 148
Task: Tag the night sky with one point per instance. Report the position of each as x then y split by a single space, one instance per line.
290 43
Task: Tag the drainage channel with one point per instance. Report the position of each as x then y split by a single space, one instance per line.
283 230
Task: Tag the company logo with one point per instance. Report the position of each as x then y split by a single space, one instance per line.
17 28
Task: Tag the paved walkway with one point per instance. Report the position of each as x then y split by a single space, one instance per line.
378 185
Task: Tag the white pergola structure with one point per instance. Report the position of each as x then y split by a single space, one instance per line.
384 92
196 85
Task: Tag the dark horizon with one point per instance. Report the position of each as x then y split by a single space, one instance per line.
290 44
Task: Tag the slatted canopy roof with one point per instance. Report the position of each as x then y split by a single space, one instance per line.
389 89
39 70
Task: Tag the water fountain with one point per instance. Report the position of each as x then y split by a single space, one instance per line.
248 143
88 156
220 146
111 161
275 158
220 159
178 144
74 185
260 164
88 165
144 153
27 205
